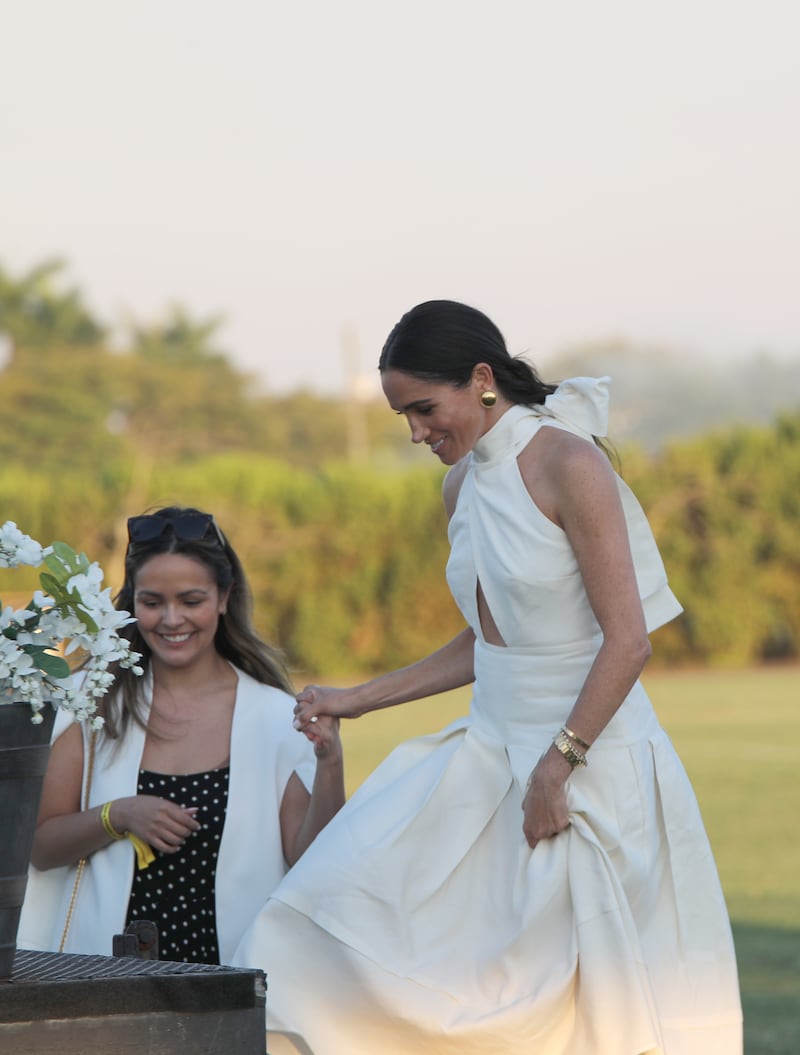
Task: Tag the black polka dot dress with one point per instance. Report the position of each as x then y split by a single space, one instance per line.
176 892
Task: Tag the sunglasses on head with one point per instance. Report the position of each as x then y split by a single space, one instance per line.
187 527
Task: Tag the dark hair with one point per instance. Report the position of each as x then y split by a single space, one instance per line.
443 340
235 640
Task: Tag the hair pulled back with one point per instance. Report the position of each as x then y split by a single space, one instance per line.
236 639
443 340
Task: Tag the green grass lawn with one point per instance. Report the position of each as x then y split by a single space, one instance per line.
738 733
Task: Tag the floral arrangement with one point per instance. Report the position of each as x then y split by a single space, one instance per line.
70 614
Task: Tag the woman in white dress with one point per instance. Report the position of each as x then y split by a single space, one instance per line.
536 877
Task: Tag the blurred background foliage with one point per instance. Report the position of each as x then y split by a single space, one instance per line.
339 520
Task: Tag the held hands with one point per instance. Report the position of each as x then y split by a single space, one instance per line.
163 824
316 715
323 732
544 806
316 700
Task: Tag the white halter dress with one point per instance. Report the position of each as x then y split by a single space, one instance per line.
420 921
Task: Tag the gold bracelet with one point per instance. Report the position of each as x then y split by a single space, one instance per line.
568 750
575 738
110 830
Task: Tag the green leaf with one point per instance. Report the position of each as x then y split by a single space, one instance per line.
55 666
87 620
56 566
52 586
66 554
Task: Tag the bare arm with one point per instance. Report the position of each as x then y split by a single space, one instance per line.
448 668
578 490
303 816
65 833
595 525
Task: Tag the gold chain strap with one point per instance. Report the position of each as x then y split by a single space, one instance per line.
82 862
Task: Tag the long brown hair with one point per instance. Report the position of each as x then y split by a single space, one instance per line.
236 639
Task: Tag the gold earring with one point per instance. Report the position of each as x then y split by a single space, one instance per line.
488 399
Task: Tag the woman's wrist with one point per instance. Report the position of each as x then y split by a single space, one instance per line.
330 755
364 699
570 746
560 766
110 828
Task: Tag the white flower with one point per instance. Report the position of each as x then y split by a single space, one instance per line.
74 614
17 548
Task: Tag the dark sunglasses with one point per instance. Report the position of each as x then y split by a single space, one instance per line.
188 527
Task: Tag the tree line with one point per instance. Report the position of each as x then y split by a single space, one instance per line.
346 557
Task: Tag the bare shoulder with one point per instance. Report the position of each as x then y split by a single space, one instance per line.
564 472
556 451
451 486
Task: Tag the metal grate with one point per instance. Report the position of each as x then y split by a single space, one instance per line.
48 985
64 967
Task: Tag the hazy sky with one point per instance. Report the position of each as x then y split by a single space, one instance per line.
577 168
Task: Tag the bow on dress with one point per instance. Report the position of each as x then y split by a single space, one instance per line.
581 403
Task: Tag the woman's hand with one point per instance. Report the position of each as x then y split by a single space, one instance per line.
317 700
162 824
544 806
324 735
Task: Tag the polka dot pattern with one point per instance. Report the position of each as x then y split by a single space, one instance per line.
176 892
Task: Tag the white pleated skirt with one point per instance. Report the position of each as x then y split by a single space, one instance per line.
420 921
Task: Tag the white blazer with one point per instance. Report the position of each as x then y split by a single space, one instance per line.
265 751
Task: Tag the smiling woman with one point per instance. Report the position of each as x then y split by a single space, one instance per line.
535 876
449 399
182 756
178 605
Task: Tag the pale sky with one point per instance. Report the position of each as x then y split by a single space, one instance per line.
578 169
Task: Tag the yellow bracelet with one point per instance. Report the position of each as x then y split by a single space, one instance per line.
110 830
144 853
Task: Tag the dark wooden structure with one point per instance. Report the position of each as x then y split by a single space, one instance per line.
64 1004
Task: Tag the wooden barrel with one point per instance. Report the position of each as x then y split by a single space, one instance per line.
24 750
